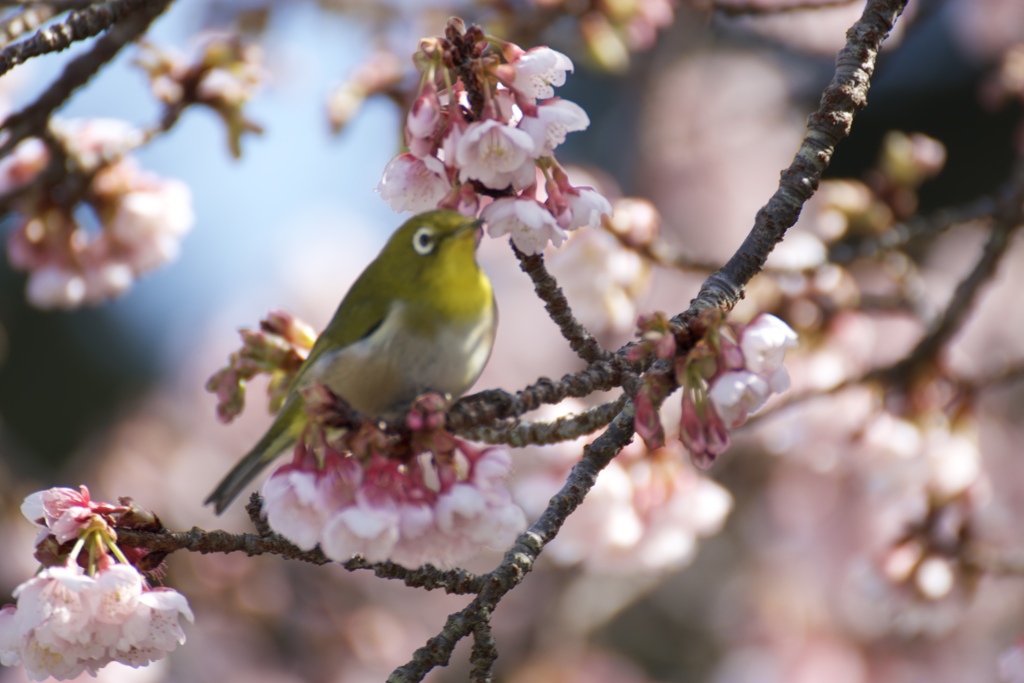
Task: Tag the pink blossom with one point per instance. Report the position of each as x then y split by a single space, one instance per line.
23 164
66 622
530 224
425 511
107 280
290 503
424 115
496 154
550 124
64 512
91 141
538 71
644 514
362 529
410 184
226 87
150 220
55 287
764 343
737 394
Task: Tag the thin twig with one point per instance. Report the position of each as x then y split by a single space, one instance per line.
456 581
1008 218
565 428
580 340
901 234
736 9
494 404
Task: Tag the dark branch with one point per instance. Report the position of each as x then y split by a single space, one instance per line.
519 434
580 340
736 9
520 558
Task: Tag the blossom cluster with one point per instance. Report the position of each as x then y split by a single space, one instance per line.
438 507
928 490
486 146
646 511
725 379
142 217
277 348
89 605
223 78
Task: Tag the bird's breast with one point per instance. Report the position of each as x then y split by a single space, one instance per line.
411 352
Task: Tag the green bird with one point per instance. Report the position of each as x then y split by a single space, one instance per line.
420 318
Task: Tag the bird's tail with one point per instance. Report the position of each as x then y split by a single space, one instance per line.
283 433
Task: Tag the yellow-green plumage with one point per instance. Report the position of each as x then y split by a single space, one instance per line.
420 318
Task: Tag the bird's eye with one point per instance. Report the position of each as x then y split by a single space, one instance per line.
423 241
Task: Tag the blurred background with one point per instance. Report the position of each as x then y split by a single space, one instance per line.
693 108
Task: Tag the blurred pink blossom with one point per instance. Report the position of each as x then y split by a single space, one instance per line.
429 510
67 622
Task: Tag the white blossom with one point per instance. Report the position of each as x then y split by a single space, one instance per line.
67 622
587 206
553 121
409 184
736 394
764 343
151 221
496 154
530 224
539 70
55 287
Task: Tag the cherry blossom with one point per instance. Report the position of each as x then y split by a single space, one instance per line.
588 208
89 605
23 164
602 279
67 622
551 123
538 71
645 513
764 343
436 509
737 394
496 154
464 150
530 224
409 184
143 218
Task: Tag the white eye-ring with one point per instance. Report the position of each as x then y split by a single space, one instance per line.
423 241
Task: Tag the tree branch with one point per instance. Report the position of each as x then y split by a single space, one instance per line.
580 340
520 558
566 428
137 15
841 100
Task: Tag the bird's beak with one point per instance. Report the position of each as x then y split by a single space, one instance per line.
477 226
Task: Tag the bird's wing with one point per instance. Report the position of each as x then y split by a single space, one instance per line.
361 312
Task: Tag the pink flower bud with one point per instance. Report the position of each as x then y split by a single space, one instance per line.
424 116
